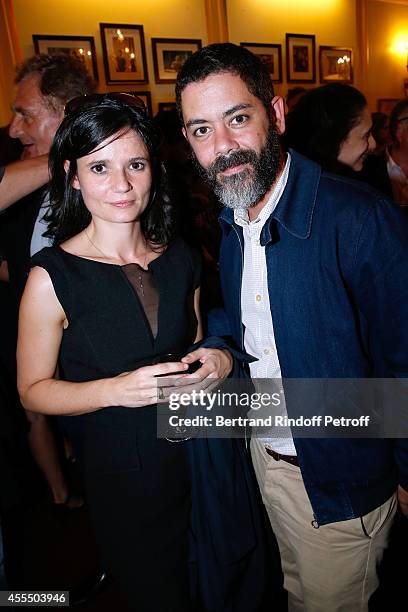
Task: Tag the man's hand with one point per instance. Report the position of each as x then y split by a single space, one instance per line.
402 495
216 365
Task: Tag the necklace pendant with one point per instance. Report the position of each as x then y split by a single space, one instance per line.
141 285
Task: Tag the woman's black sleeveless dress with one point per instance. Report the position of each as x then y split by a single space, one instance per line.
137 486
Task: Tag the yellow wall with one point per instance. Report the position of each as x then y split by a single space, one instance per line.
332 21
160 18
387 29
9 57
267 21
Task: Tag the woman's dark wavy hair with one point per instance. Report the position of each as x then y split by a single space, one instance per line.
80 133
321 122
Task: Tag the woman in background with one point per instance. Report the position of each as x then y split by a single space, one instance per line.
332 126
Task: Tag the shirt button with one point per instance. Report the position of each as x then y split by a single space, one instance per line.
266 351
258 297
257 242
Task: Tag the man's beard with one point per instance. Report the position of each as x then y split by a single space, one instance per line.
246 188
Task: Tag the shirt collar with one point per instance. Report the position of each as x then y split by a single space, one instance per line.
392 166
296 206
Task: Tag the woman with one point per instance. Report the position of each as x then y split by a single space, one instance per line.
332 126
117 292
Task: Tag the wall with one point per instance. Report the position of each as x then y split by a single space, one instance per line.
332 21
266 21
160 18
387 35
10 56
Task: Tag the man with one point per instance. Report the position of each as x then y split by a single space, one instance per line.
44 84
315 282
388 171
397 153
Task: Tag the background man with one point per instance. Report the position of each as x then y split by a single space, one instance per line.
44 85
397 153
388 170
315 282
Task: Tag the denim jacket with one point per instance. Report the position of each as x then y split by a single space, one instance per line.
337 262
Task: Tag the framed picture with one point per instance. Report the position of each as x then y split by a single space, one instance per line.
300 58
386 105
166 106
82 47
124 53
270 55
336 64
169 54
146 96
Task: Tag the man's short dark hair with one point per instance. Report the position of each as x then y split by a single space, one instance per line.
395 116
226 57
62 77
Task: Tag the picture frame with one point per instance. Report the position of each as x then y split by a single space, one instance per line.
169 54
146 96
386 105
82 47
335 64
270 55
166 106
124 53
300 58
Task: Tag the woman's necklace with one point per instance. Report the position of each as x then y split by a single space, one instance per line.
140 277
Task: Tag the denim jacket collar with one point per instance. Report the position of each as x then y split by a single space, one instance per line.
295 208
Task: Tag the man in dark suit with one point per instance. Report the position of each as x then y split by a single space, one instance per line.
44 85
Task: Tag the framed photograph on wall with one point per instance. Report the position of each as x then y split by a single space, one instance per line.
270 55
169 54
81 47
146 96
386 105
336 64
300 58
124 53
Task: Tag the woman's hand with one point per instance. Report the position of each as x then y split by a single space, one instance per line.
141 387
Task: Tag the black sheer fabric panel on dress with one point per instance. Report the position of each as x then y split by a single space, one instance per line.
142 282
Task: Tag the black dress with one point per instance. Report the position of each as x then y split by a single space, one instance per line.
137 486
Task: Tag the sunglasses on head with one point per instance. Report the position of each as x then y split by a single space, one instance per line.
94 99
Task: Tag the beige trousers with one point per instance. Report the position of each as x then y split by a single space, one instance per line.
332 568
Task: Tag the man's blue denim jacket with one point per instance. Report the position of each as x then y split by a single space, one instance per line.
337 261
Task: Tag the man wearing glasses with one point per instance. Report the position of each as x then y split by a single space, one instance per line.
388 171
44 85
397 154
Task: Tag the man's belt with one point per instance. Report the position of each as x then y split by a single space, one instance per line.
278 457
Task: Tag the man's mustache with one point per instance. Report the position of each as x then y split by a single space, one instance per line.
236 158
